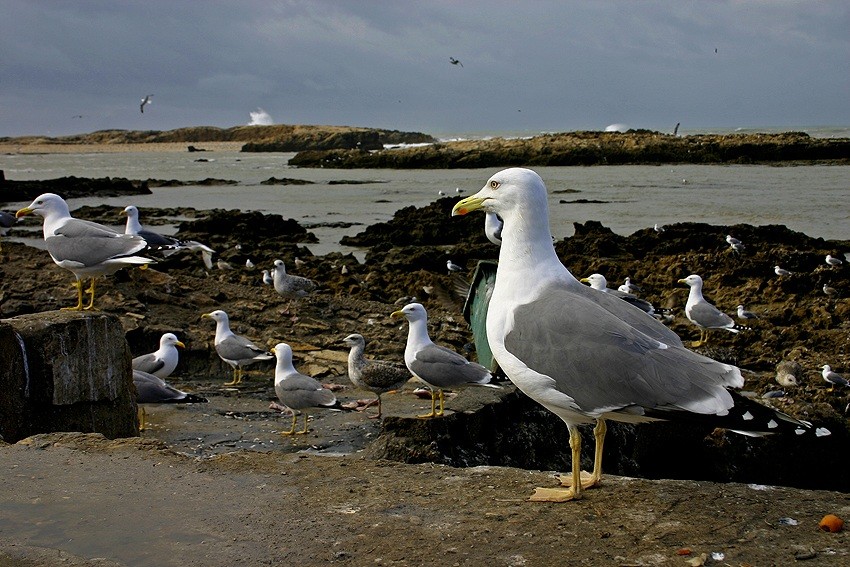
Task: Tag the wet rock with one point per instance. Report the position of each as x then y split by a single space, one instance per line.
66 372
69 187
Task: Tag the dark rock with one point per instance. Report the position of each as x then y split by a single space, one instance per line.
65 371
68 187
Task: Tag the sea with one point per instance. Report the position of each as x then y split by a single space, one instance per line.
813 199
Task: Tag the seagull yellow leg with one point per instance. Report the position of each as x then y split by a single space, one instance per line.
593 479
702 339
433 407
90 291
303 431
291 429
141 414
572 492
442 402
237 377
79 307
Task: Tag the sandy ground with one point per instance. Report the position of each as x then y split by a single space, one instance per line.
73 499
117 148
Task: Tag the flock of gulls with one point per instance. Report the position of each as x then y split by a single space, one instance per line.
587 353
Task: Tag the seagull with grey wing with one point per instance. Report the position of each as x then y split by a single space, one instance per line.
833 378
599 283
151 389
378 376
436 365
160 242
162 362
297 391
86 249
705 315
233 349
586 359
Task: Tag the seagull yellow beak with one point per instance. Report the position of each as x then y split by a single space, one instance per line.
180 344
468 205
206 316
585 280
272 350
396 314
23 212
682 281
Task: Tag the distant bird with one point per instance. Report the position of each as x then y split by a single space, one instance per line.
832 260
249 265
744 314
731 240
833 378
223 265
436 365
85 248
299 263
167 245
7 221
599 283
630 287
290 287
830 291
781 271
297 391
458 190
267 278
454 61
151 389
233 349
787 372
703 314
658 228
676 129
452 267
493 228
441 193
377 376
162 362
146 100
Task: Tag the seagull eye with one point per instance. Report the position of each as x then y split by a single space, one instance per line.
494 184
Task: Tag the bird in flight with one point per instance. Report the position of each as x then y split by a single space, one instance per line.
146 100
454 61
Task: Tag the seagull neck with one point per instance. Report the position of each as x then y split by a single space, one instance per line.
695 294
355 355
283 369
527 249
133 226
417 335
222 331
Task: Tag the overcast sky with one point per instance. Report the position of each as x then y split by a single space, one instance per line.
79 66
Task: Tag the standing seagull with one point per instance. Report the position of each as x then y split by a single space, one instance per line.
290 287
295 390
7 221
452 267
703 314
599 283
630 287
580 360
833 261
377 376
234 350
146 100
151 389
744 314
833 378
436 365
85 248
780 271
162 362
160 242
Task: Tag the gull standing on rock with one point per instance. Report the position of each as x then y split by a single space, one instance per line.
290 287
452 267
85 248
436 365
744 314
703 314
234 350
151 389
582 361
599 283
378 376
630 287
832 261
162 362
833 378
160 242
297 391
781 271
267 278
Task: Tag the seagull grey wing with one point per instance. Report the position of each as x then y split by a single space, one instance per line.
444 368
707 315
158 241
90 251
237 348
632 299
153 390
74 228
627 370
148 363
299 391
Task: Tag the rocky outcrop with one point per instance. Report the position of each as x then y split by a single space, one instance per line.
589 148
69 187
65 371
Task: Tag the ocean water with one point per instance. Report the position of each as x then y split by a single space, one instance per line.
814 200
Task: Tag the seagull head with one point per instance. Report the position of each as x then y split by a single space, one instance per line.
505 192
354 340
170 339
596 281
130 211
218 316
46 205
283 352
412 312
692 280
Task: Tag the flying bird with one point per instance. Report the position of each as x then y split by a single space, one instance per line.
86 249
454 61
580 360
436 365
378 376
297 391
146 100
162 362
235 350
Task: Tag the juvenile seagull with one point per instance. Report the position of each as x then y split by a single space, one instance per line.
295 390
85 248
234 350
162 362
436 365
289 287
781 271
830 291
7 221
833 378
787 372
744 314
832 260
146 100
377 376
703 314
580 360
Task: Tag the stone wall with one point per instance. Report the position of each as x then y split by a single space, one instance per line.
65 371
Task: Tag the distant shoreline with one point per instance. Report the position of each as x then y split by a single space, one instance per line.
174 147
